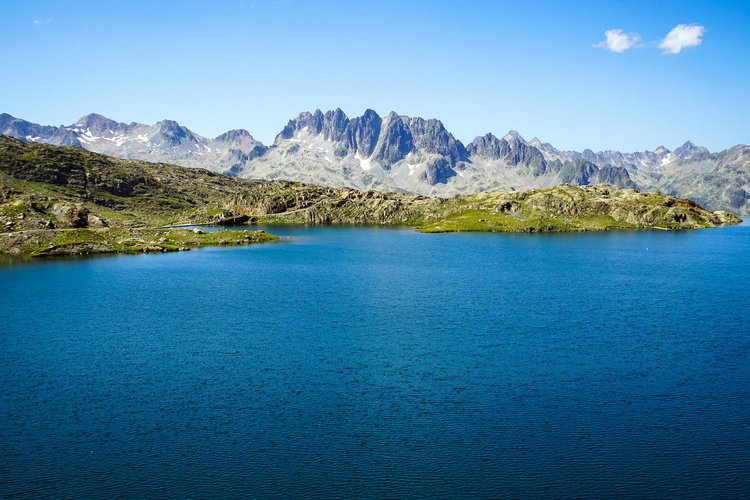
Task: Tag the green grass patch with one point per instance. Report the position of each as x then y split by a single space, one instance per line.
44 243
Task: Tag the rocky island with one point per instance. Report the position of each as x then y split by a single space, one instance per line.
62 200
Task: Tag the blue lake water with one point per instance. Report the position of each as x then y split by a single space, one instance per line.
370 362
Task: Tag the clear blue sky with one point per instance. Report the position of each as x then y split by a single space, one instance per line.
478 66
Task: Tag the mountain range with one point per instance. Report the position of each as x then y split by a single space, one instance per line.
410 155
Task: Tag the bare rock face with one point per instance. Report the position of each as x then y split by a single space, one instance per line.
438 170
96 221
488 146
511 150
362 133
431 137
616 176
334 125
584 173
395 141
306 120
689 151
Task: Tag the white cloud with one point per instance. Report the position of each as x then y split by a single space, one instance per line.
42 21
681 36
617 41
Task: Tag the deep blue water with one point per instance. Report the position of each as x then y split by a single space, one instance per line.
366 362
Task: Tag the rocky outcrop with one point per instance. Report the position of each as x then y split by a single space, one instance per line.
306 120
564 208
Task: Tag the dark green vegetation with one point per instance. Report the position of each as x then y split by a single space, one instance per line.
63 200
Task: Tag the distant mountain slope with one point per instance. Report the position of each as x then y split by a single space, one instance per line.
713 180
165 141
414 155
410 155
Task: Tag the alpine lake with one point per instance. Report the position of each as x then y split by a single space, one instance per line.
363 362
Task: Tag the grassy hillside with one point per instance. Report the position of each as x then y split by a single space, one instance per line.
99 202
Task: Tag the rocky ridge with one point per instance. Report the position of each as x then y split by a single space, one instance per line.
166 141
409 155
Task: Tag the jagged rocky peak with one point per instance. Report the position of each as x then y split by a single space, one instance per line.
362 133
432 137
661 150
394 142
97 125
690 150
334 125
543 146
170 126
242 145
512 149
488 146
93 119
520 152
313 122
234 135
514 137
609 156
173 133
386 140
